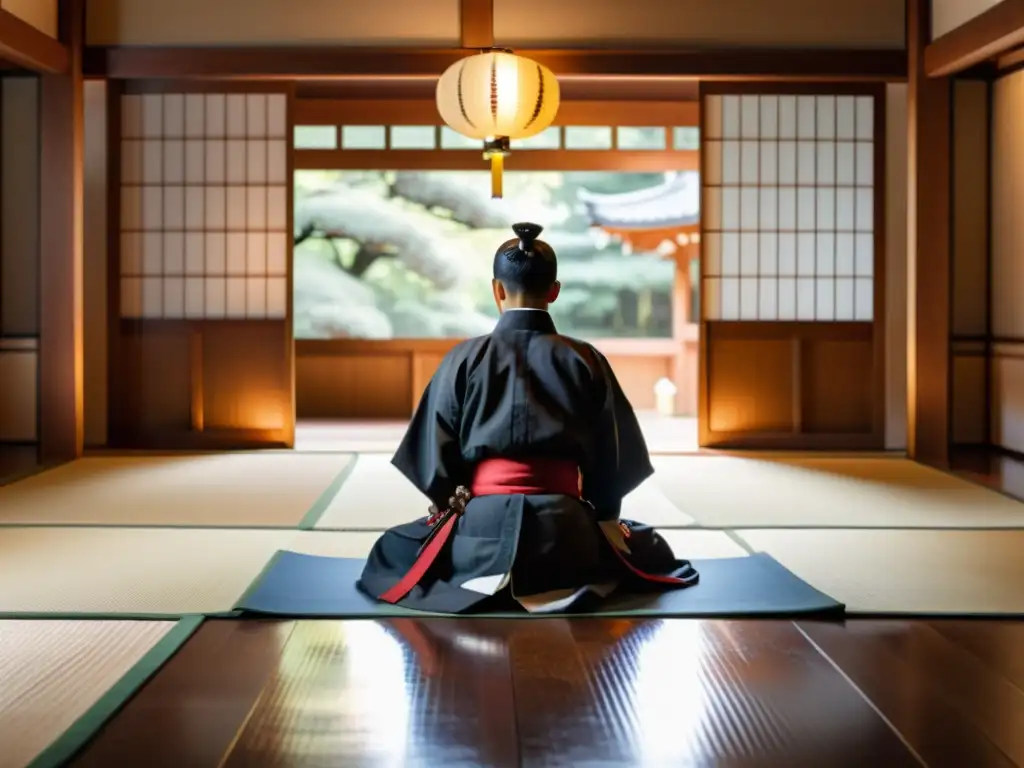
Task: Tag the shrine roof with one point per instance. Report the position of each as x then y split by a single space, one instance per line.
673 203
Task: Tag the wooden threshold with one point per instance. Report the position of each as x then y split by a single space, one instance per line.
210 439
792 441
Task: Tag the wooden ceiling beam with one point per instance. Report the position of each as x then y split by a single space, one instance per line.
27 47
477 20
424 112
300 63
994 32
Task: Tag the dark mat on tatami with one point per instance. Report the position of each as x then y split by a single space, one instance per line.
297 585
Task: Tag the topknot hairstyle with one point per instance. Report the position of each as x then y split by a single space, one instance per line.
526 265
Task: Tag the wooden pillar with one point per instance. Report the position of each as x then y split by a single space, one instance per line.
928 247
61 362
684 374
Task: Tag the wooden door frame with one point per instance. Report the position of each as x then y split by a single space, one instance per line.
588 112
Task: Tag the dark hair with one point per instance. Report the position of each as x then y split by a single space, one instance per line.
526 265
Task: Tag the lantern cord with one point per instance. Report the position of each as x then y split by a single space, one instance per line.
497 167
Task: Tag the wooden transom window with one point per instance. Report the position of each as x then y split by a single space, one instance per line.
429 137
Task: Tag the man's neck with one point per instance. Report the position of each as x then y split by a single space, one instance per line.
524 302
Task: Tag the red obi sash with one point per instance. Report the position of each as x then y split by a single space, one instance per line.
500 477
531 477
493 477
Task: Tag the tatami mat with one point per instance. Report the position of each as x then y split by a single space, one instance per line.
701 545
54 671
153 572
905 571
376 496
223 489
691 545
650 505
135 571
730 492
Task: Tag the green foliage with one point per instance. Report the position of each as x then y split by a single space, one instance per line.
606 293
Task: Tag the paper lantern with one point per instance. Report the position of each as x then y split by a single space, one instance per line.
496 96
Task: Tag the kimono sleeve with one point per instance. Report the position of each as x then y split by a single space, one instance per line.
619 460
430 454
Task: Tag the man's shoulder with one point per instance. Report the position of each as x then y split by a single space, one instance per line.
583 349
472 348
465 350
467 347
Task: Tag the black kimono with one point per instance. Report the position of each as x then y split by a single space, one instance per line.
522 393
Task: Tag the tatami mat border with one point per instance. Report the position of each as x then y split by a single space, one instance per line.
110 703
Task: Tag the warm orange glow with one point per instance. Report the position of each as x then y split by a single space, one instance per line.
727 416
497 94
256 409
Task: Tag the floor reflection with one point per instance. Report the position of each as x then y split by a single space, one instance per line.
339 689
671 692
581 692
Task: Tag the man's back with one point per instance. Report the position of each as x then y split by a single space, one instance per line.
525 391
529 391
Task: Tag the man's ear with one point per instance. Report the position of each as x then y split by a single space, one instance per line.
499 292
553 291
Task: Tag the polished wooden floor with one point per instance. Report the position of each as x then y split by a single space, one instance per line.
585 692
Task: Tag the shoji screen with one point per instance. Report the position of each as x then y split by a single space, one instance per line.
792 235
204 206
789 207
203 353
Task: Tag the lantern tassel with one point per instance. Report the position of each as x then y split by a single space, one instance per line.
497 169
495 150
